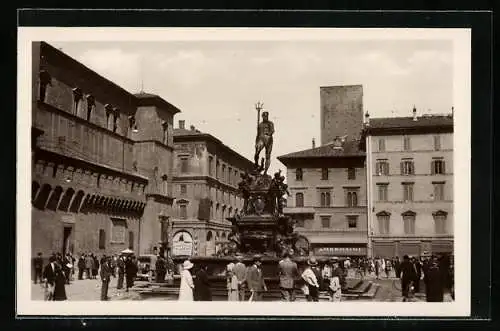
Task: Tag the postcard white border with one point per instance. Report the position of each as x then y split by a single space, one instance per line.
462 102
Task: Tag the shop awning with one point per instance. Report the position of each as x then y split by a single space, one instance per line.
336 240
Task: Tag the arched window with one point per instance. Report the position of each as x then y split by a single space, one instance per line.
299 200
42 197
209 235
54 198
34 190
76 202
64 205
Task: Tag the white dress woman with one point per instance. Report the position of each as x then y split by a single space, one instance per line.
187 286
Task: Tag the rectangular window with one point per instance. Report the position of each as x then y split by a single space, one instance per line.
437 167
437 143
325 222
118 230
381 145
407 191
183 212
382 168
299 199
298 174
351 173
223 174
210 165
409 224
382 192
325 199
352 222
324 173
131 240
440 224
438 191
184 165
406 143
183 189
229 175
351 198
383 224
407 167
102 239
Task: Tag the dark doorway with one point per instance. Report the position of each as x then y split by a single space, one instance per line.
67 232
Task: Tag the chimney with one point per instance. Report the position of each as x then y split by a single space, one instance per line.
414 113
367 119
181 124
192 128
314 143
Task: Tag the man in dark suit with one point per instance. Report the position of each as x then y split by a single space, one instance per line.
49 276
106 273
38 264
408 275
288 273
255 279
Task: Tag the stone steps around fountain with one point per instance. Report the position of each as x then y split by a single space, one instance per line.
362 289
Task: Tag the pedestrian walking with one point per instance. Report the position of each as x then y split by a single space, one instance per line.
121 272
335 280
187 285
88 265
130 272
95 266
202 291
232 283
59 292
38 266
434 287
288 272
408 274
81 266
240 271
255 280
105 275
49 279
311 287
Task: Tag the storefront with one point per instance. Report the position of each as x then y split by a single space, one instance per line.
340 250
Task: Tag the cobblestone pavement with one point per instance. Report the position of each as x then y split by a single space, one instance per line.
87 290
90 290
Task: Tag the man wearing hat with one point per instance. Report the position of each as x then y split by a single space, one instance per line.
288 273
311 276
240 271
336 280
255 279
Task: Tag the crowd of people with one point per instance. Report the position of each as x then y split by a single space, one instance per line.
247 283
61 269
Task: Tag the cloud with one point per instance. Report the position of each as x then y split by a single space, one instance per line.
115 64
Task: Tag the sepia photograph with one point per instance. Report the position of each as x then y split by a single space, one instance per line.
302 171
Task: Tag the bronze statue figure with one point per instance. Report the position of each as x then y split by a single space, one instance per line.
264 140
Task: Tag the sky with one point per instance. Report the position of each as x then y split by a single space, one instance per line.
216 84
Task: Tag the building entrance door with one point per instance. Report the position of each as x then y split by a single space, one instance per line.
67 240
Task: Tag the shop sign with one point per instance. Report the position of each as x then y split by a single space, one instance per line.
182 244
340 250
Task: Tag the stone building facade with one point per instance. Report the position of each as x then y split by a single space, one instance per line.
328 198
102 160
341 112
205 184
410 184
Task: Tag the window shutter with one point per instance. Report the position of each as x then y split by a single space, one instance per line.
433 172
402 168
443 170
